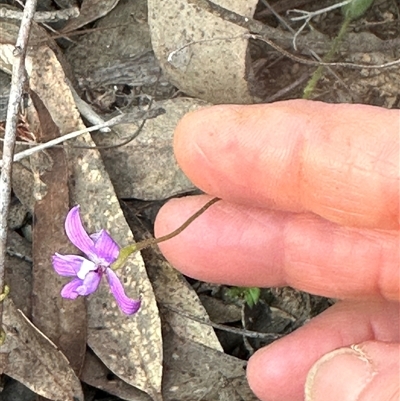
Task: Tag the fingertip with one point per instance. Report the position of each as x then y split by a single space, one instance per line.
205 143
192 124
164 217
357 373
257 375
267 374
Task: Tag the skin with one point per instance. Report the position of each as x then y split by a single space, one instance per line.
310 199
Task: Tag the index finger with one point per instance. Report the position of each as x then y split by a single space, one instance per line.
338 161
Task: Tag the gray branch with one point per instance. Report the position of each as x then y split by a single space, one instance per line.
17 85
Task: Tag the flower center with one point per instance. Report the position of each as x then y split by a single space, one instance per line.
86 267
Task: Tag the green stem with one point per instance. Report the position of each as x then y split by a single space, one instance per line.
130 249
312 83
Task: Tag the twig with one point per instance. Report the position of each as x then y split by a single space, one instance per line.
122 119
312 52
303 60
85 110
241 332
90 115
41 16
285 53
276 96
307 16
17 85
320 42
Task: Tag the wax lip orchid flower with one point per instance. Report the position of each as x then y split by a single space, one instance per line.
101 252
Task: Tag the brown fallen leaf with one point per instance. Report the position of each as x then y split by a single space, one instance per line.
201 53
31 358
122 38
19 271
63 321
194 372
130 346
98 375
91 10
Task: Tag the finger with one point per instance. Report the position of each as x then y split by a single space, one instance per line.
367 371
279 371
245 246
338 161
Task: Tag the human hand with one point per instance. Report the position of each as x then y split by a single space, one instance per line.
310 199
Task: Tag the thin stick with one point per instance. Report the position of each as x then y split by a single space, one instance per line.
303 60
121 119
17 85
242 332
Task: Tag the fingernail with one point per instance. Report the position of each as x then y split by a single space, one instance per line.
342 374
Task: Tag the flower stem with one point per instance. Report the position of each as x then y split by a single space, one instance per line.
128 250
312 83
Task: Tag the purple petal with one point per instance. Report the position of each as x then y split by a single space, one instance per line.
77 233
69 290
106 248
127 305
78 287
67 265
90 283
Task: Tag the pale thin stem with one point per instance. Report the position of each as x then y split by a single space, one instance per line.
123 118
17 86
305 61
312 52
308 15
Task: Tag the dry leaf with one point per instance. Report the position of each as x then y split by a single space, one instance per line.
146 167
194 372
8 36
63 321
90 11
98 375
19 271
120 36
29 357
221 311
203 55
130 346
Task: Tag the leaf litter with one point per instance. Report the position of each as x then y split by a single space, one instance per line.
205 54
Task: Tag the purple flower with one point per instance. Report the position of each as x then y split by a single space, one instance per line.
101 251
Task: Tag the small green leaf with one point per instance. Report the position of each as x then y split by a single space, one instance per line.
252 295
356 8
